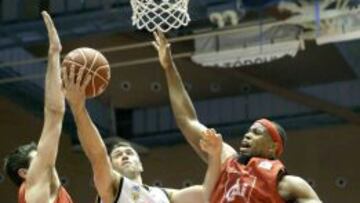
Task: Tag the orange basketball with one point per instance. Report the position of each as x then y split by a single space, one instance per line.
96 65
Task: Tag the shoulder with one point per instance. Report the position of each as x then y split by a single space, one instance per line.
227 153
291 181
296 188
230 160
113 191
287 185
64 196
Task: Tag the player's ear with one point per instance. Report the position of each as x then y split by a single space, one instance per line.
22 172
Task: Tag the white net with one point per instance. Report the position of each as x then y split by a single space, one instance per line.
162 15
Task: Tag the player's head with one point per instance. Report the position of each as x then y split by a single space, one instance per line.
264 139
17 162
124 158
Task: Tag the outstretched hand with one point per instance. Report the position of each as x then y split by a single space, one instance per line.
211 142
54 96
54 40
162 45
75 85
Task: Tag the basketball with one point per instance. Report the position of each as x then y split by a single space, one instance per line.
96 65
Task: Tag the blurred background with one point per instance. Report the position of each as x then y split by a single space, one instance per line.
295 62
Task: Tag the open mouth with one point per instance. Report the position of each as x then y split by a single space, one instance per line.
245 146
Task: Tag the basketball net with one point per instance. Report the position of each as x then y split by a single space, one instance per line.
162 15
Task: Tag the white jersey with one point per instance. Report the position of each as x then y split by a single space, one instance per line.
132 192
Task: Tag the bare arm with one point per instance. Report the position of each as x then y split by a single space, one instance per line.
184 111
106 180
211 143
296 188
42 175
189 194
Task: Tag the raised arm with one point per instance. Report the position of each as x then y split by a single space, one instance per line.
42 174
297 189
106 180
184 112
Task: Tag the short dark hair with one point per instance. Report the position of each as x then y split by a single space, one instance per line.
115 142
17 159
281 132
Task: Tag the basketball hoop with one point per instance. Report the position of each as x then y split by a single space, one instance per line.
162 15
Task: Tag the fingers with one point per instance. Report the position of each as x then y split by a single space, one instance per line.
156 46
211 142
160 39
156 36
54 39
207 136
209 132
86 82
78 80
204 135
219 137
72 74
65 77
211 136
79 76
43 13
48 21
157 41
45 16
68 75
162 36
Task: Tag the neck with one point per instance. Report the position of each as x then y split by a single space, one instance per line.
244 159
136 177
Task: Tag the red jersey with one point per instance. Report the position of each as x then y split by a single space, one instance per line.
63 196
255 182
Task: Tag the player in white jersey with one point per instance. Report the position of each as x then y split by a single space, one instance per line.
117 177
131 190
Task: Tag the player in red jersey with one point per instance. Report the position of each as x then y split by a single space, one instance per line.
254 174
31 167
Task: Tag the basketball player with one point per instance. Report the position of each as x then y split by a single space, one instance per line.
254 174
31 167
117 176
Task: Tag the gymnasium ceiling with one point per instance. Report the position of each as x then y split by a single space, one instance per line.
305 69
108 26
